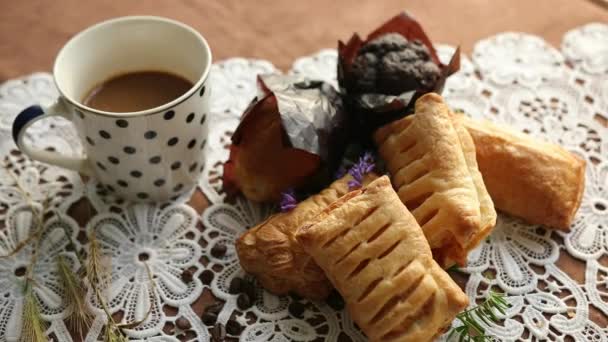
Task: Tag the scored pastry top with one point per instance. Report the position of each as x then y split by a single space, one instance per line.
375 254
434 170
270 252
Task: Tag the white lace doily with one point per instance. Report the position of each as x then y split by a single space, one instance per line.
513 78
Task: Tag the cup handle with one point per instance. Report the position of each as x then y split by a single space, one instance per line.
31 114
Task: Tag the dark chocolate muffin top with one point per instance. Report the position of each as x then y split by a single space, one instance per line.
390 64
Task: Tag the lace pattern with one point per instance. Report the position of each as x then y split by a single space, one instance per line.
512 78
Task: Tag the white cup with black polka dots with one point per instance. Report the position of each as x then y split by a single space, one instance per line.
150 155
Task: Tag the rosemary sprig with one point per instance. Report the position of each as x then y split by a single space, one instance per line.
80 318
472 319
454 268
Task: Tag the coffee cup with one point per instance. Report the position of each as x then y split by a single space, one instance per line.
146 155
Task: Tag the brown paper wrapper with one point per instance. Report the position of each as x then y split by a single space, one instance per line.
285 137
374 109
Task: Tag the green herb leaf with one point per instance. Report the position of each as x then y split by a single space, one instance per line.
473 319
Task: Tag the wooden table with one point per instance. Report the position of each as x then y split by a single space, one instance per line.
32 32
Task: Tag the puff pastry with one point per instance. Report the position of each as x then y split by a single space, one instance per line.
434 169
535 180
270 252
375 254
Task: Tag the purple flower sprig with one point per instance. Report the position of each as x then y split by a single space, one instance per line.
288 200
362 167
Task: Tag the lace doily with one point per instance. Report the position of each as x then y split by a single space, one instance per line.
513 78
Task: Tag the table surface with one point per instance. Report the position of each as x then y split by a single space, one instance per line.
32 32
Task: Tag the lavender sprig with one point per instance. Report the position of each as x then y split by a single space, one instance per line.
362 167
288 200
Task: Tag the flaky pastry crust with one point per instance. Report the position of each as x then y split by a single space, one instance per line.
434 170
529 178
270 252
376 255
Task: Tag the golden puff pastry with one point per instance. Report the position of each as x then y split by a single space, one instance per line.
433 167
535 180
486 205
375 254
270 252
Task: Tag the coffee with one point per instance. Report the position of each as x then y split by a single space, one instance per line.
136 91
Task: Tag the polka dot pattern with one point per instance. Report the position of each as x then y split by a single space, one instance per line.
169 115
122 123
150 135
190 117
173 141
104 134
143 158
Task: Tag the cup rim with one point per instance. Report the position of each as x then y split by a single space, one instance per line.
149 111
